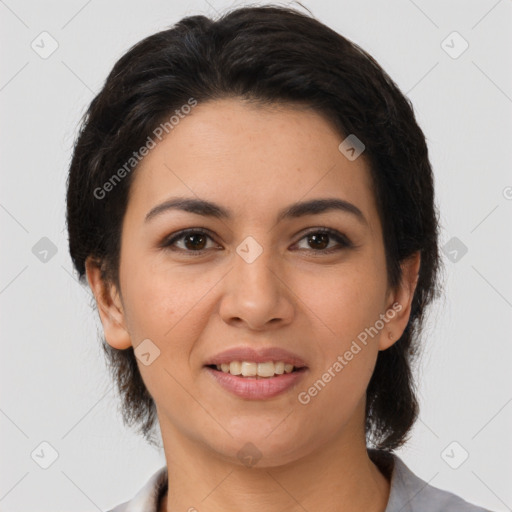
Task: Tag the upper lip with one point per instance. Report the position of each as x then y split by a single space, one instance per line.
261 355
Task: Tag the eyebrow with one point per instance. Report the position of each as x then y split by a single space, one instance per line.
293 211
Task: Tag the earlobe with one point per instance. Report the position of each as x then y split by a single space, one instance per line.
109 305
401 302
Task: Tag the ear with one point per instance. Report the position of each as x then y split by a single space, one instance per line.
400 302
110 307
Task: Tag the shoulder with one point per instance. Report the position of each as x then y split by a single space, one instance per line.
147 499
409 493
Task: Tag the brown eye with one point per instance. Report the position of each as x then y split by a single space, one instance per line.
319 240
195 241
191 240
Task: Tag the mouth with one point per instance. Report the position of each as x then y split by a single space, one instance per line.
257 383
252 369
256 374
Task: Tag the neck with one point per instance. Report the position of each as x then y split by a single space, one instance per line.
338 476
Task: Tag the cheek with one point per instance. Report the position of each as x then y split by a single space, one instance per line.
345 300
160 301
346 304
165 308
169 308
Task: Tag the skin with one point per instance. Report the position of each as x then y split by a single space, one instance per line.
255 161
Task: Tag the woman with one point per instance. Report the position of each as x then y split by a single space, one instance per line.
251 202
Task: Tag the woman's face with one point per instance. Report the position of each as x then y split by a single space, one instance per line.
258 284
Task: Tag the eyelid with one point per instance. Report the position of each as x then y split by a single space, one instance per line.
334 234
330 231
178 235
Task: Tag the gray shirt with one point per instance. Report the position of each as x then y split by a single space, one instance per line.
408 492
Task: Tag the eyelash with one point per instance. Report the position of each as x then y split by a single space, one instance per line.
333 234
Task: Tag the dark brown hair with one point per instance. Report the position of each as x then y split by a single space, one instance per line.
271 55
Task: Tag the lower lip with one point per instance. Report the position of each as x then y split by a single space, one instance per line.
252 388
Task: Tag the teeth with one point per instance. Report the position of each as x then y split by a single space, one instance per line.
235 368
250 369
266 369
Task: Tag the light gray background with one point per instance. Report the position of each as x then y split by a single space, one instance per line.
54 385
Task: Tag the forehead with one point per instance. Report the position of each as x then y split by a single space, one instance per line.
253 159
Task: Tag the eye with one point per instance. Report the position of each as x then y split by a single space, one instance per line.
319 238
196 241
193 240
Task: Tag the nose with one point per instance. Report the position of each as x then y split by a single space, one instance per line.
257 294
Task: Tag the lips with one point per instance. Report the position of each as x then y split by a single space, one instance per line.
256 374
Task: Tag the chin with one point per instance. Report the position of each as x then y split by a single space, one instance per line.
255 447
